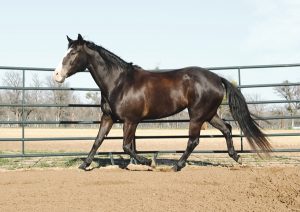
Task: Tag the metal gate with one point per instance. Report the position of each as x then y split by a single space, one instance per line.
23 123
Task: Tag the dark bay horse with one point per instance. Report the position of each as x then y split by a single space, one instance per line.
131 94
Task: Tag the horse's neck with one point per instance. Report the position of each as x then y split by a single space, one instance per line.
106 79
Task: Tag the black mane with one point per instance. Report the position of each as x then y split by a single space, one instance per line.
111 60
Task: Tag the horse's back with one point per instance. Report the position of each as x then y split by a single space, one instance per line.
193 78
193 72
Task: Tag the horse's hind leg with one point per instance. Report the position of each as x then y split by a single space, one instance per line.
106 124
225 128
128 133
194 134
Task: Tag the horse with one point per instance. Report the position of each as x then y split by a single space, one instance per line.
131 94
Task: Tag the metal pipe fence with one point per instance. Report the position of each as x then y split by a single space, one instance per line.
23 122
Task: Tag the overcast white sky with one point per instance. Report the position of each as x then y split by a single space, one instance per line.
168 34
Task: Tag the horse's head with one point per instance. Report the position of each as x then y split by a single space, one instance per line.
74 61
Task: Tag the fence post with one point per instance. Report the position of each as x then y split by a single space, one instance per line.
241 133
23 113
111 159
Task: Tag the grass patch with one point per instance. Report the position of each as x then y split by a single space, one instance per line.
11 163
72 162
47 162
163 159
4 161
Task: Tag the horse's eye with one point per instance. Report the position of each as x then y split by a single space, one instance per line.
72 53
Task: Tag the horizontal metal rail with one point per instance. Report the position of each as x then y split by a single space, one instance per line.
97 89
50 105
144 121
138 137
18 68
98 105
47 88
32 155
255 66
269 85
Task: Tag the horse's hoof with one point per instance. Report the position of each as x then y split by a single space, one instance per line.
148 162
176 168
153 164
83 166
239 160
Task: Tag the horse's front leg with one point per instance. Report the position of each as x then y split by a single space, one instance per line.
105 126
128 134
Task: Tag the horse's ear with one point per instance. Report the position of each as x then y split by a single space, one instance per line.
69 39
80 39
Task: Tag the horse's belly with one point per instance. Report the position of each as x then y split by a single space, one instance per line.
163 108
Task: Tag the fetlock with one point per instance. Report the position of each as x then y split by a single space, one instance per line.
237 158
177 167
85 164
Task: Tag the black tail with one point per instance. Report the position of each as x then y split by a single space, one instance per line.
241 114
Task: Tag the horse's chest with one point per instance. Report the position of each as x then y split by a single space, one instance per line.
105 107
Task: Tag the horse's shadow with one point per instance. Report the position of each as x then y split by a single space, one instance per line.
124 162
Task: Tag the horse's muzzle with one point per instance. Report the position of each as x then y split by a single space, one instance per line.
58 77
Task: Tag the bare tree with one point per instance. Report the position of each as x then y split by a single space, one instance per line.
2 111
278 111
257 109
37 97
94 98
290 93
13 79
59 97
14 96
76 113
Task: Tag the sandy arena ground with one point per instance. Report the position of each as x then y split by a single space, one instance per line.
213 185
113 189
